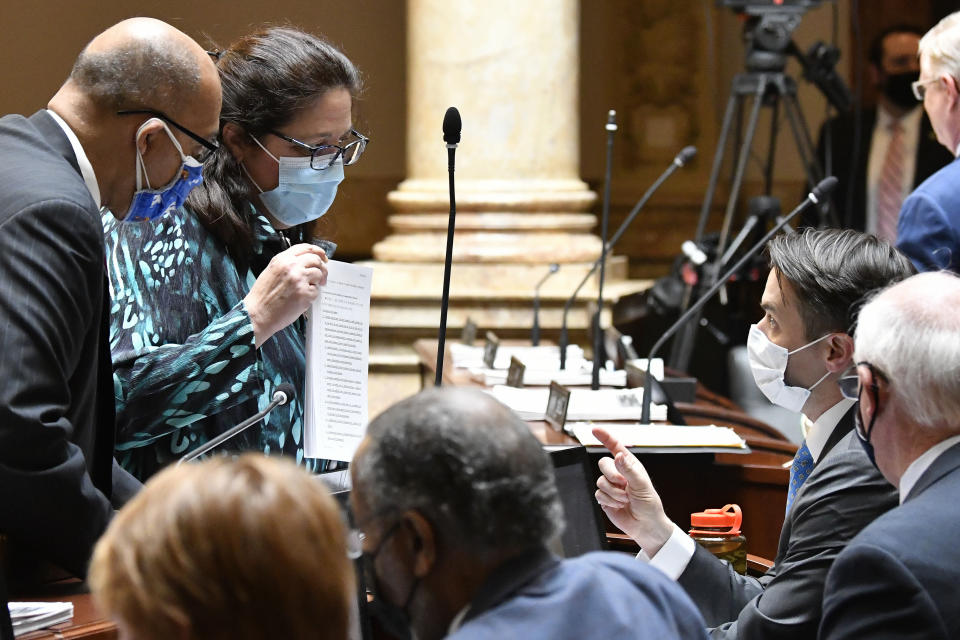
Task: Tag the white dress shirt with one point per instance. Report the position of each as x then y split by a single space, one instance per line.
675 554
86 169
909 478
879 144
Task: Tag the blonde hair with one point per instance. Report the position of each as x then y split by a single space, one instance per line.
245 548
941 45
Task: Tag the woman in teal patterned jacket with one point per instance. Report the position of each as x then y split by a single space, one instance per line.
207 301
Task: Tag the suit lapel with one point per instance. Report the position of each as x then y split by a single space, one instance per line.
948 461
843 427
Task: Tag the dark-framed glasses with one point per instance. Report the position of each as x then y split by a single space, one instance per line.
920 88
849 380
208 146
324 155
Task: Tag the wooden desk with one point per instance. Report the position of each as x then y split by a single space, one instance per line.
691 482
87 623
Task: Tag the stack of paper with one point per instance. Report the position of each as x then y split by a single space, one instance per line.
465 357
30 616
659 435
581 376
585 404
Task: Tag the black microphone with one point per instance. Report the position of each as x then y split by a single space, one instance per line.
451 135
817 195
281 395
611 128
535 330
680 160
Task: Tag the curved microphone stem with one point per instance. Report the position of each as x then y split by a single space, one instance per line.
678 162
611 128
816 195
535 330
279 397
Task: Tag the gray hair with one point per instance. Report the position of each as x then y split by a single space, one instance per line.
832 272
468 464
941 45
155 74
911 333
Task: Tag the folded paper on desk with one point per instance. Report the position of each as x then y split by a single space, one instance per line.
547 357
658 435
30 616
338 350
585 404
570 377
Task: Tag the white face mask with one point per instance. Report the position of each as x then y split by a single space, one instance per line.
768 362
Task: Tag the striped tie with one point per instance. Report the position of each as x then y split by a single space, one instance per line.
890 187
799 470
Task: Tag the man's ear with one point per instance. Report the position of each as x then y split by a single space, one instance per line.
840 353
149 135
423 542
952 89
866 398
236 140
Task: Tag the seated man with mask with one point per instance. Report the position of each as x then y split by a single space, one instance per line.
456 502
798 352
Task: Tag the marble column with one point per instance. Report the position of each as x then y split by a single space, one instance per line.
511 68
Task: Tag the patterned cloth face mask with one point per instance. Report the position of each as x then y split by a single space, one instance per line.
303 193
149 203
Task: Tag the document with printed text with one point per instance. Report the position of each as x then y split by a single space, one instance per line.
338 352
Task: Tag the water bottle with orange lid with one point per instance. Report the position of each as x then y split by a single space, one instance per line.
718 531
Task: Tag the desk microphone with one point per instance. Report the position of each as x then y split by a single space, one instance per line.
535 330
611 128
817 195
680 160
451 135
282 395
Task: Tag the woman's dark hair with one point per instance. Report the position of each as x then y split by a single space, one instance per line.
267 77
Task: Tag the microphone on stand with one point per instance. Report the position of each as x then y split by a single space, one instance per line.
282 395
535 331
451 135
611 128
680 160
816 195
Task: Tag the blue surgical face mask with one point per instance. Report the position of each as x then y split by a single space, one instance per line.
303 194
152 203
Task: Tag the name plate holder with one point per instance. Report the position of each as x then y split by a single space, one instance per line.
469 333
490 349
515 373
557 404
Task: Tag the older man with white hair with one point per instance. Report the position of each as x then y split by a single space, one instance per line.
898 577
928 230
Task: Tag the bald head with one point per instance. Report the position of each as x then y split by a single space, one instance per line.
911 332
143 63
467 463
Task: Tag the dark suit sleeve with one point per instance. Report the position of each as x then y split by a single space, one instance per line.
925 235
871 594
835 504
51 260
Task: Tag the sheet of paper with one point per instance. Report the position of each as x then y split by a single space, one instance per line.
544 357
338 352
580 377
30 616
585 404
659 435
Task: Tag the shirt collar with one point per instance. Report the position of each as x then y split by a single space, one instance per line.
818 431
458 620
911 118
909 478
86 169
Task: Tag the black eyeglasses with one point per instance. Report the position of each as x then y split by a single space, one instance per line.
324 155
208 146
849 381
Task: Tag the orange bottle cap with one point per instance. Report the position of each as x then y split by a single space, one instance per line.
729 517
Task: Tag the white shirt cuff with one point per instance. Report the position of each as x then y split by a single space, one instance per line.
674 555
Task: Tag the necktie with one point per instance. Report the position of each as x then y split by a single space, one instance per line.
890 187
799 470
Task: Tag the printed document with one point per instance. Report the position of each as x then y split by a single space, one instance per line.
338 351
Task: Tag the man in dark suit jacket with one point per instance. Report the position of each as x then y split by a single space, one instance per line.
898 578
457 503
59 483
929 226
798 352
858 164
